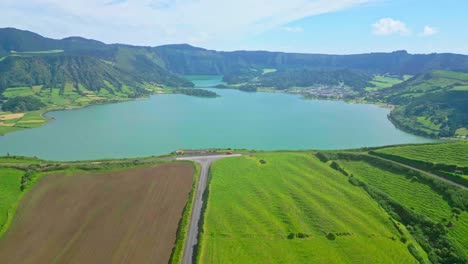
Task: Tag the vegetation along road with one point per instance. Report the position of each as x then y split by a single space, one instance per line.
205 162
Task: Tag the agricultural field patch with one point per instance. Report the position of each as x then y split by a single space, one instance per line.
11 116
448 153
384 81
18 91
462 132
292 208
406 190
104 217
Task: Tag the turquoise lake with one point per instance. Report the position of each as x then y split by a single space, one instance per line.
167 122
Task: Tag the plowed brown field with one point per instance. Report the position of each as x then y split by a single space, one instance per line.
127 216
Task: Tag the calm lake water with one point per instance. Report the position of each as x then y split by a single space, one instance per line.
164 123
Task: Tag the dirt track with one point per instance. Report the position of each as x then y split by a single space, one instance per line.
120 217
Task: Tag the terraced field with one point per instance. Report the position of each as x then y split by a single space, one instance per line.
293 209
418 196
449 153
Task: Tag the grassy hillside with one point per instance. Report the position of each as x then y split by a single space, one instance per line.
430 104
293 209
455 153
431 210
10 192
56 71
448 160
418 197
412 193
32 85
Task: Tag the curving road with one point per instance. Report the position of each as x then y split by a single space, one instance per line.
192 235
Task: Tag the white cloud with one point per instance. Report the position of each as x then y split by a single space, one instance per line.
155 22
429 31
294 29
389 26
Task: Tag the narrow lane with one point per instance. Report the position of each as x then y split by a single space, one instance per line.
192 235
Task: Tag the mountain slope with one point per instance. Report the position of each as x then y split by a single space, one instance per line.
431 104
139 62
57 71
186 59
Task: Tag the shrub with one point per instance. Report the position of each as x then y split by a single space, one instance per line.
331 236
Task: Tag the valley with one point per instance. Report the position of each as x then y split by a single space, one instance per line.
115 153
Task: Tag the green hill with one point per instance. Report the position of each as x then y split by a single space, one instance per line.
57 71
293 209
301 77
432 104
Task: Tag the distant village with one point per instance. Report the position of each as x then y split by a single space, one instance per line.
325 91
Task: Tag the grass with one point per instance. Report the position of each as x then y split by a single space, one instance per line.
18 91
384 81
447 153
415 195
460 88
178 250
459 233
37 52
257 213
10 193
29 120
31 53
462 132
19 159
418 196
266 71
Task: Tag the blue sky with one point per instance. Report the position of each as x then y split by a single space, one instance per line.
313 26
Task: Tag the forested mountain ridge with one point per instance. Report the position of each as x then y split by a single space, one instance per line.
186 59
56 71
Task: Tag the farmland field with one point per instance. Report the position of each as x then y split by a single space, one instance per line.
449 153
118 216
293 209
381 82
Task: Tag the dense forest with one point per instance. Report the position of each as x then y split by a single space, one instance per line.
196 92
284 79
55 71
22 104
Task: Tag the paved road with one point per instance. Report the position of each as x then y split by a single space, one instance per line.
424 172
192 235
